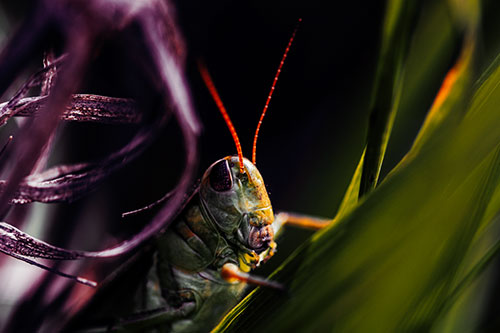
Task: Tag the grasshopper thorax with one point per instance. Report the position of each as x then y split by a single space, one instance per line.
238 204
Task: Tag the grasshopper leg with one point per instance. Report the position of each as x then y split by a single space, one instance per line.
231 273
299 220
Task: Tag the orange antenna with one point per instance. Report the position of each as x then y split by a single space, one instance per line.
211 87
254 151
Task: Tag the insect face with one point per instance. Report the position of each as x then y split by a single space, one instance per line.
239 205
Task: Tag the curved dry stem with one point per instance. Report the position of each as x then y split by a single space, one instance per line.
82 108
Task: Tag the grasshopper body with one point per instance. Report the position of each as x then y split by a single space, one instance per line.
227 223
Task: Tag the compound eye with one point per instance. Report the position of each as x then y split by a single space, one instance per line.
220 176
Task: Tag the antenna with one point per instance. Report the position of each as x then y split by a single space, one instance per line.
254 151
213 91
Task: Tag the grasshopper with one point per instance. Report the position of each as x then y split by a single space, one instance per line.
202 262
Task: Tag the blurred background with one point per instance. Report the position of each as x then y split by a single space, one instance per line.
311 139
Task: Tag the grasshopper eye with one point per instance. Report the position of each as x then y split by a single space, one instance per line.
220 177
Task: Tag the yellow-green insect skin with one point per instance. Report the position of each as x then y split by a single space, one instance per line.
229 220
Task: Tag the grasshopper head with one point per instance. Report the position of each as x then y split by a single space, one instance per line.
233 192
239 205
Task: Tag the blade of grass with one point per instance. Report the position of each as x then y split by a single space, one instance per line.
448 101
428 41
385 100
387 88
482 264
434 48
455 86
351 196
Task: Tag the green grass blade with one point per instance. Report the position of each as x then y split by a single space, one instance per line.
432 52
350 199
449 104
428 50
475 272
387 88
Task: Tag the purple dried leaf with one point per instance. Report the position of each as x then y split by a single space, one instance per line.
35 80
66 183
82 108
13 240
27 260
49 63
33 136
22 246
